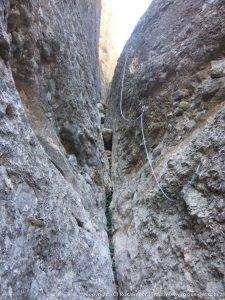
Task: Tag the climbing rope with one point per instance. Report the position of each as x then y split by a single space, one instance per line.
121 96
141 116
150 161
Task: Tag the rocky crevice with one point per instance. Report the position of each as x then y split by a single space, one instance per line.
108 213
107 135
81 214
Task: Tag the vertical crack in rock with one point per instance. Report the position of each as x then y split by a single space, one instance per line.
107 135
108 214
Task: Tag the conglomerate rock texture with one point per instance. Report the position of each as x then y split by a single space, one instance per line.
53 171
171 249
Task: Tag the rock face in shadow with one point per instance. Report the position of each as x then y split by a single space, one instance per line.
53 171
175 66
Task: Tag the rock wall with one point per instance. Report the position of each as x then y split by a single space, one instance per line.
167 239
53 169
171 247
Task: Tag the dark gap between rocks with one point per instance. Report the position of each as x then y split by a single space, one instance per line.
107 136
108 214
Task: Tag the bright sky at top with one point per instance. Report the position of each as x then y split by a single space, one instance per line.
126 14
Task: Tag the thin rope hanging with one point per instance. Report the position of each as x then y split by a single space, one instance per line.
121 95
150 161
141 116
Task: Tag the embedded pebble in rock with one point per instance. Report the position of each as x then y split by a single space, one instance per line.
208 88
183 105
218 68
101 107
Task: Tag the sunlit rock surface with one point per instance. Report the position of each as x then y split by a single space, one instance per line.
171 248
107 50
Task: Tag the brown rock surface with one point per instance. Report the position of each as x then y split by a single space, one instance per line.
107 51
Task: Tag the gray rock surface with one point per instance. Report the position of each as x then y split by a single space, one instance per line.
171 249
53 170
